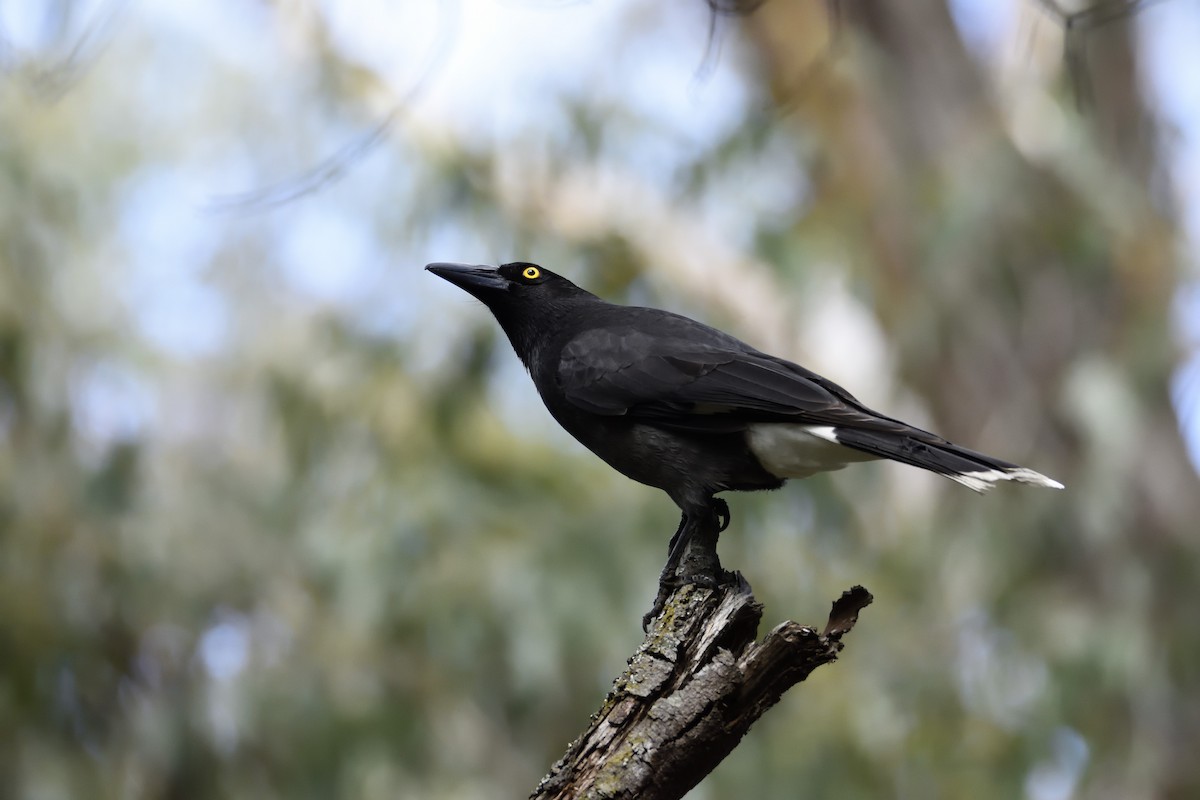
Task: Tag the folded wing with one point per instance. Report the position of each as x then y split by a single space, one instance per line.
704 380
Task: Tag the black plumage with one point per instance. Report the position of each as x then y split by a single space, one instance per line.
676 404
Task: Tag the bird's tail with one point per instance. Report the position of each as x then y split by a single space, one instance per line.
973 470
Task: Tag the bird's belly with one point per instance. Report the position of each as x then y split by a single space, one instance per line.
669 460
790 450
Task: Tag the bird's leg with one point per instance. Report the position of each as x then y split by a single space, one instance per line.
674 543
698 562
693 549
683 536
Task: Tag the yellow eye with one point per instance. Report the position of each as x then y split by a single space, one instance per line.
531 273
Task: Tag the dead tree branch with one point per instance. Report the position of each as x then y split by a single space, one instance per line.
691 692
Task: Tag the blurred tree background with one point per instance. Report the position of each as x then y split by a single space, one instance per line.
280 516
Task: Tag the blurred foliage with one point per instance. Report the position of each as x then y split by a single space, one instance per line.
281 517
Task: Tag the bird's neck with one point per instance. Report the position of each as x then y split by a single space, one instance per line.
530 332
525 336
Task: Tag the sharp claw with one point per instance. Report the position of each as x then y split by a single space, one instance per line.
721 508
660 602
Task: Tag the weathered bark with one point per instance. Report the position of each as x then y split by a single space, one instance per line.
690 693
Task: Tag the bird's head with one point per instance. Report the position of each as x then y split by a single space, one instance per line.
517 283
526 299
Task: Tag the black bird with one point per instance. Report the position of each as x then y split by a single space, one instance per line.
673 403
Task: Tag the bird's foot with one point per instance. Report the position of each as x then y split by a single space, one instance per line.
692 556
695 563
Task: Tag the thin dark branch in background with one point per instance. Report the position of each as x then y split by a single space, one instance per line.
1095 16
717 10
1076 26
326 172
550 5
1075 57
744 8
712 49
335 166
51 76
734 8
1104 13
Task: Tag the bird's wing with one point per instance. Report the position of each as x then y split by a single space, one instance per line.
701 380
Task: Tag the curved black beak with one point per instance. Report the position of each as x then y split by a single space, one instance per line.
469 278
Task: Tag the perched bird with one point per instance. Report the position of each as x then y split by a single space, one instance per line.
676 404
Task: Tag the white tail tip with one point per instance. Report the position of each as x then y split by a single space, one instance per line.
985 479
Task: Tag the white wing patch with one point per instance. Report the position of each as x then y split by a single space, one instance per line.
798 451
